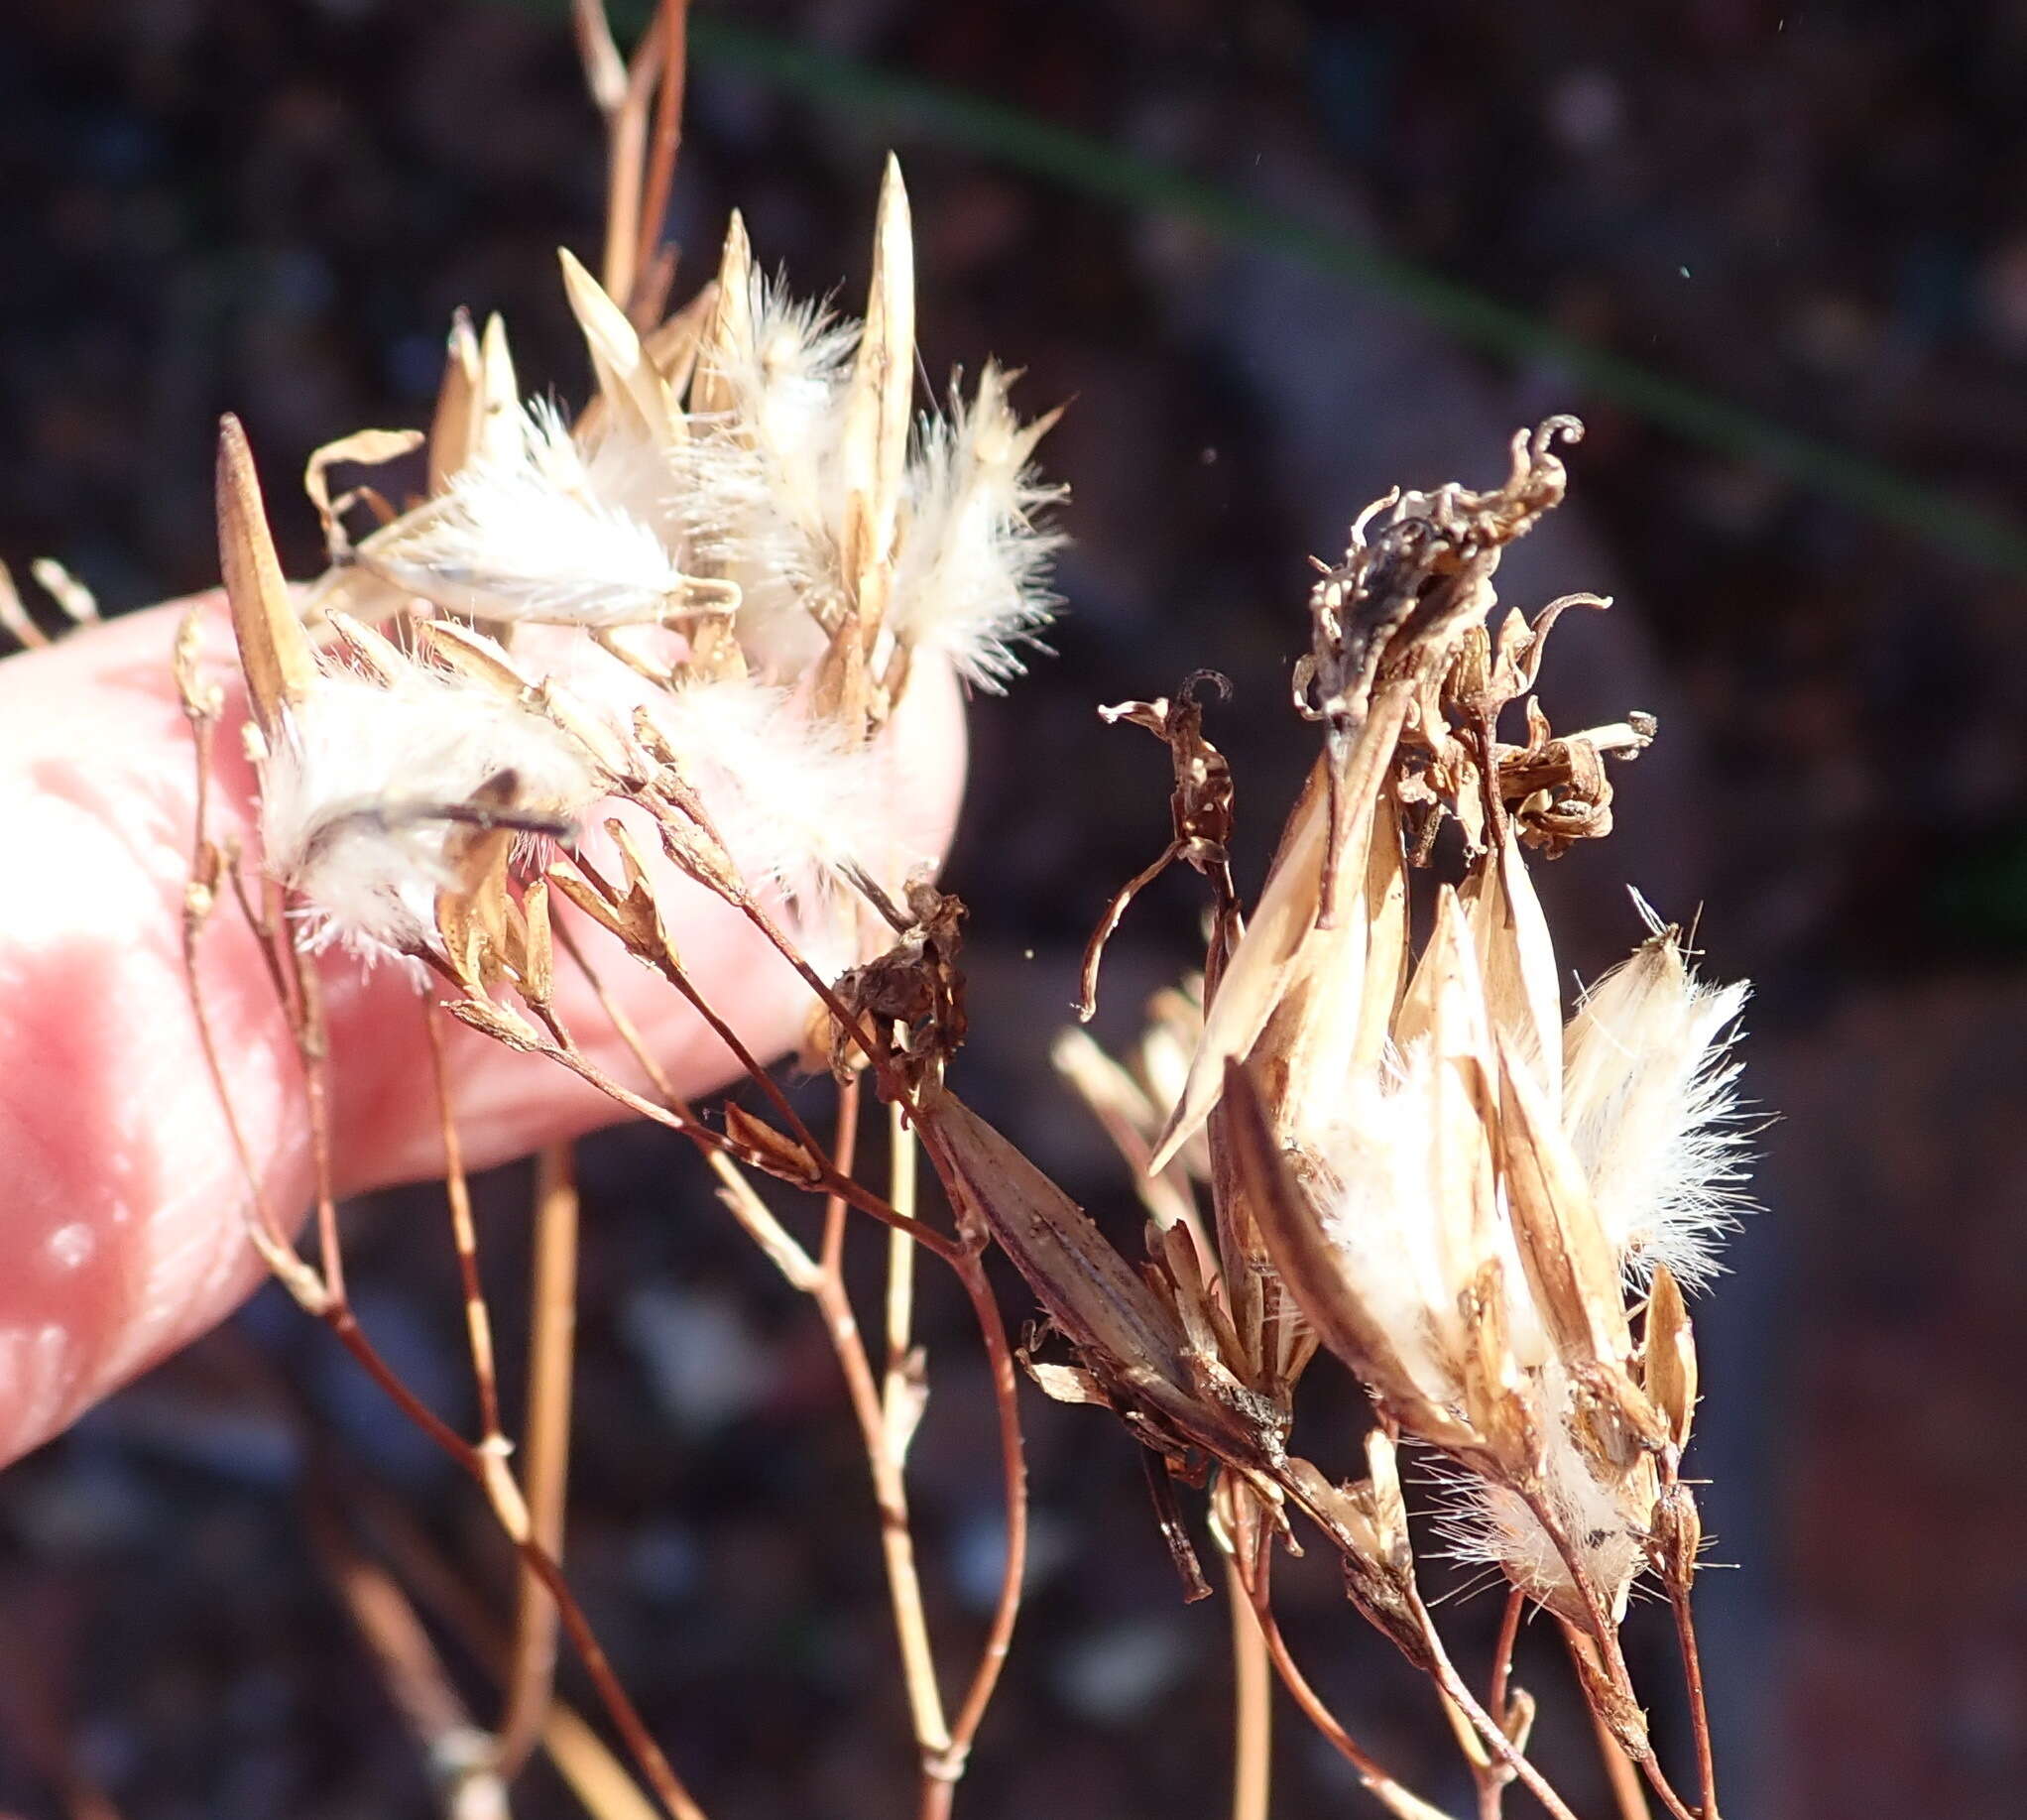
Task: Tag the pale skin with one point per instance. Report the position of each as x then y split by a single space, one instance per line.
121 1199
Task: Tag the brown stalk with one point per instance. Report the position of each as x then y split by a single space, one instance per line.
478 1324
1014 1480
943 1747
582 1758
546 1449
1399 1801
484 1471
621 93
674 26
1449 1682
458 1751
737 1192
1698 1710
1253 1710
1613 1678
1492 1783
321 1293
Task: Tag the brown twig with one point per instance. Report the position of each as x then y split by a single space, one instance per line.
1014 1480
1253 1712
478 1324
1398 1801
1492 1780
458 1752
1698 1710
674 23
546 1449
1444 1673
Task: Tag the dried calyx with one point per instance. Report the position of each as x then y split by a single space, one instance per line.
1414 1153
704 597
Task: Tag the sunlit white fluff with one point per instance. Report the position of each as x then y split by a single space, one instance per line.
1378 1200
548 532
1650 1105
971 578
761 488
793 802
1481 1522
354 792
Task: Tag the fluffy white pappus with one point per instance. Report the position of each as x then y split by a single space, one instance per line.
1482 1523
761 490
1651 1102
1377 1161
364 792
793 801
1375 1212
551 534
972 576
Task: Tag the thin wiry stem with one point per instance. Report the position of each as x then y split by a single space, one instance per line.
313 1046
546 1447
1698 1710
490 1476
1399 1801
1493 1779
595 1775
890 1489
736 1190
478 1324
1252 1711
1443 1673
673 22
1014 1481
1610 1656
458 1751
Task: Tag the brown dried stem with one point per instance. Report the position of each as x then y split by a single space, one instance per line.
992 1661
1444 1673
546 1449
1492 1783
1698 1710
673 24
1398 1801
1252 1711
458 1751
478 1324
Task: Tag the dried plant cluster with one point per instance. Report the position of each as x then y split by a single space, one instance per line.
666 642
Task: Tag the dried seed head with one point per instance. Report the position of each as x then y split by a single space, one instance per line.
367 785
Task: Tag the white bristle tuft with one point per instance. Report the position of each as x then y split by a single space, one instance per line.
971 579
354 796
793 802
549 534
1651 1106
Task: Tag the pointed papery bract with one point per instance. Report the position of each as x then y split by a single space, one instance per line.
1517 959
875 442
629 387
1650 1105
972 576
1572 1270
1258 976
545 534
368 785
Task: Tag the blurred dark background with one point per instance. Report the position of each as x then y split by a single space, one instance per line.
1812 212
